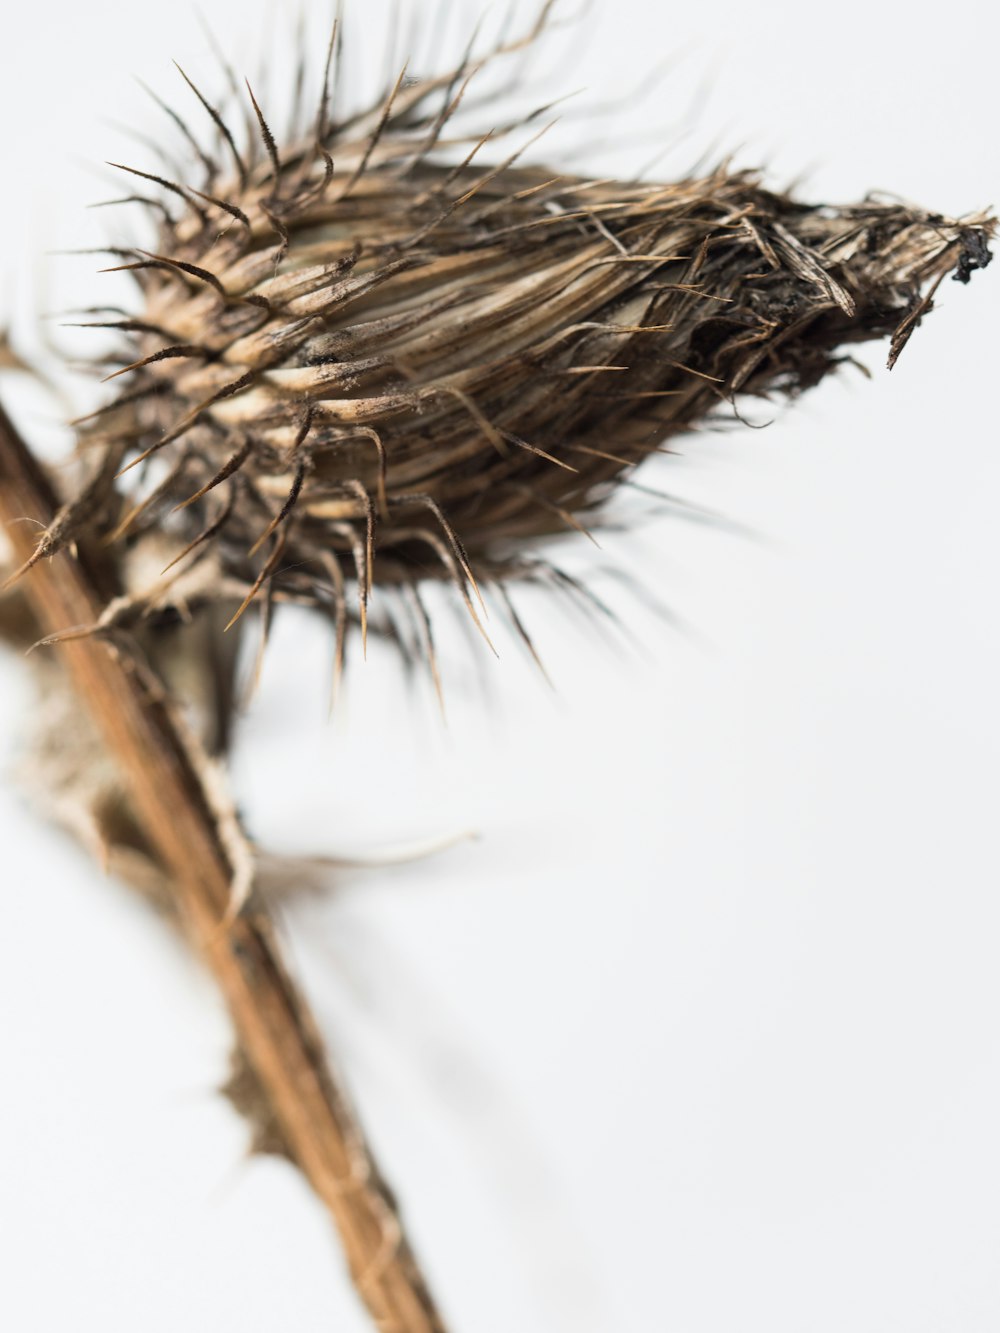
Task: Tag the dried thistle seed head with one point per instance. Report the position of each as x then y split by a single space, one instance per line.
361 361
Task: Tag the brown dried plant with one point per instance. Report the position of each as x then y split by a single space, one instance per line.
360 362
361 359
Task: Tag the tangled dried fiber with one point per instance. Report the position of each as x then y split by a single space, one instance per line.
363 359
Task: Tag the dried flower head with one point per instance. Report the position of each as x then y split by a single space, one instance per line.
364 359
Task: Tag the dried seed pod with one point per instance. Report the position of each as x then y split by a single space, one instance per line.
358 362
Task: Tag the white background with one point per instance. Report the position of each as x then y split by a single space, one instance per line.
700 1035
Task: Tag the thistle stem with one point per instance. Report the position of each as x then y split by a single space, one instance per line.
277 1033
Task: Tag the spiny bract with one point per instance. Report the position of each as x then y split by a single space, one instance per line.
363 359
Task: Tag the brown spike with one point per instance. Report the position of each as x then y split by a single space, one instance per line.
268 138
211 168
146 200
289 504
347 531
172 186
226 206
164 354
376 136
207 533
424 621
332 565
228 469
322 115
260 580
522 632
221 125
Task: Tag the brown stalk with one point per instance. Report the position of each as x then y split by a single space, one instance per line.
276 1031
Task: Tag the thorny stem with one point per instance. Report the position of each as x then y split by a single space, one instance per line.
275 1028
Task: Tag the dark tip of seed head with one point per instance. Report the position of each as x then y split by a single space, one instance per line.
976 254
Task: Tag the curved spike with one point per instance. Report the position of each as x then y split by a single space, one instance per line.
260 580
175 265
145 199
358 552
533 449
332 564
333 51
358 489
136 512
211 167
123 400
428 502
424 624
307 197
125 325
280 230
170 185
447 559
522 632
289 504
202 274
226 206
227 391
221 125
268 138
231 466
569 518
370 433
164 354
308 417
206 533
375 137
